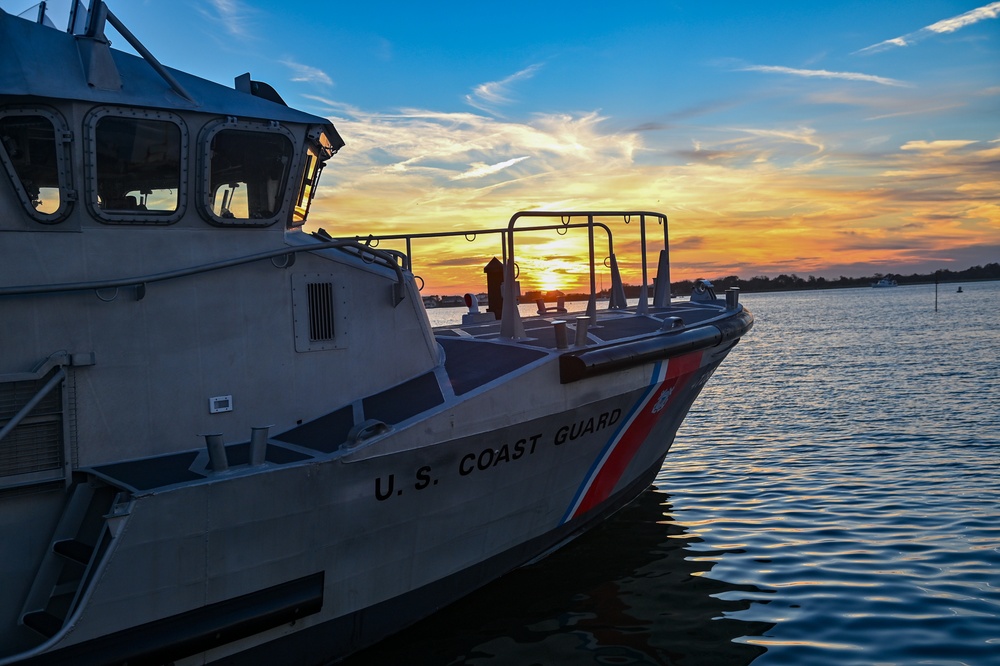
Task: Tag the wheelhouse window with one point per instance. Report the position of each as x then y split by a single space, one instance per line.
247 167
310 179
320 147
33 148
139 158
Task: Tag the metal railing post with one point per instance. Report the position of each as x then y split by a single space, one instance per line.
642 307
592 303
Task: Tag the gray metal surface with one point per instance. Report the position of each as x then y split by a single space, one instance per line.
34 56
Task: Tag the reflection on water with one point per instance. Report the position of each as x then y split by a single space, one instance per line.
629 592
846 459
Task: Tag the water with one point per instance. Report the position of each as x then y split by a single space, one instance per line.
833 498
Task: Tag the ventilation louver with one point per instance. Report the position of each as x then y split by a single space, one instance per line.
319 306
321 327
34 449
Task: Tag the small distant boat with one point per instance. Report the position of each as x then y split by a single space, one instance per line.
451 302
884 282
959 291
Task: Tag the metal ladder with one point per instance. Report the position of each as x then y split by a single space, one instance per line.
80 537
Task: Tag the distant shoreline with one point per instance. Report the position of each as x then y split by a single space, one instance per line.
766 285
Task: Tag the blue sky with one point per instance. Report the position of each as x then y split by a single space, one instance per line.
829 138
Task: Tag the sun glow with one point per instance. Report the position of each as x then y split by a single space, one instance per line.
742 202
550 282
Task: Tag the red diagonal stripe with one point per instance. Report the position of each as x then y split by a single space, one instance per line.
679 371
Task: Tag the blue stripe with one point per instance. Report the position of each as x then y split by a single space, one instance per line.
595 467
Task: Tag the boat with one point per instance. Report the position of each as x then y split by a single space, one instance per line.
958 291
884 282
227 439
451 301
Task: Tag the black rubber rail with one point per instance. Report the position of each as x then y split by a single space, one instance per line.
577 365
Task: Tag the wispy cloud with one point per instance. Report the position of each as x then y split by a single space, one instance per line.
487 96
990 11
824 74
939 147
231 15
802 135
441 146
306 73
480 170
911 112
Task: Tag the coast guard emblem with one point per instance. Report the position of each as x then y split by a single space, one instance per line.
661 402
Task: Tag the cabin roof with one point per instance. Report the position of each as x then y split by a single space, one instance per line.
40 61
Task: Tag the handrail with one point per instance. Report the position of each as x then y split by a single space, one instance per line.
140 281
477 232
31 404
590 215
511 326
510 320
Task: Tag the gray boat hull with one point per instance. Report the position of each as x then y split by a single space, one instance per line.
381 540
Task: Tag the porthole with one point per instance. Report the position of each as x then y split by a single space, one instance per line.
136 166
34 150
244 173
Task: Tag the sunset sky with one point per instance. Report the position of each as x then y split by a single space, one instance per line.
826 139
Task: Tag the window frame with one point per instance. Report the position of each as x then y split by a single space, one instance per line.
139 218
318 149
307 188
208 133
63 139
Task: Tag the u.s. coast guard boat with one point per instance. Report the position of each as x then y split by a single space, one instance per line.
225 439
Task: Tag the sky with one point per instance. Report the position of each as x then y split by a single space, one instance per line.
825 139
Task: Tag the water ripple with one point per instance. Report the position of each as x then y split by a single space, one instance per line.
857 471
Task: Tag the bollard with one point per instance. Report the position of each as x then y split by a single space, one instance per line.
732 298
217 452
559 326
582 323
258 445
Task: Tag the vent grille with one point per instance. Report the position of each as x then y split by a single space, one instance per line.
319 312
320 298
36 444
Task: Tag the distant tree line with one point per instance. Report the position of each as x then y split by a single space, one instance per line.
791 282
794 282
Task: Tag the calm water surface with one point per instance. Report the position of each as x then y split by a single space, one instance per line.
833 498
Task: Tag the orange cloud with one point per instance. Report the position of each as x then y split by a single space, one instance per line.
744 201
